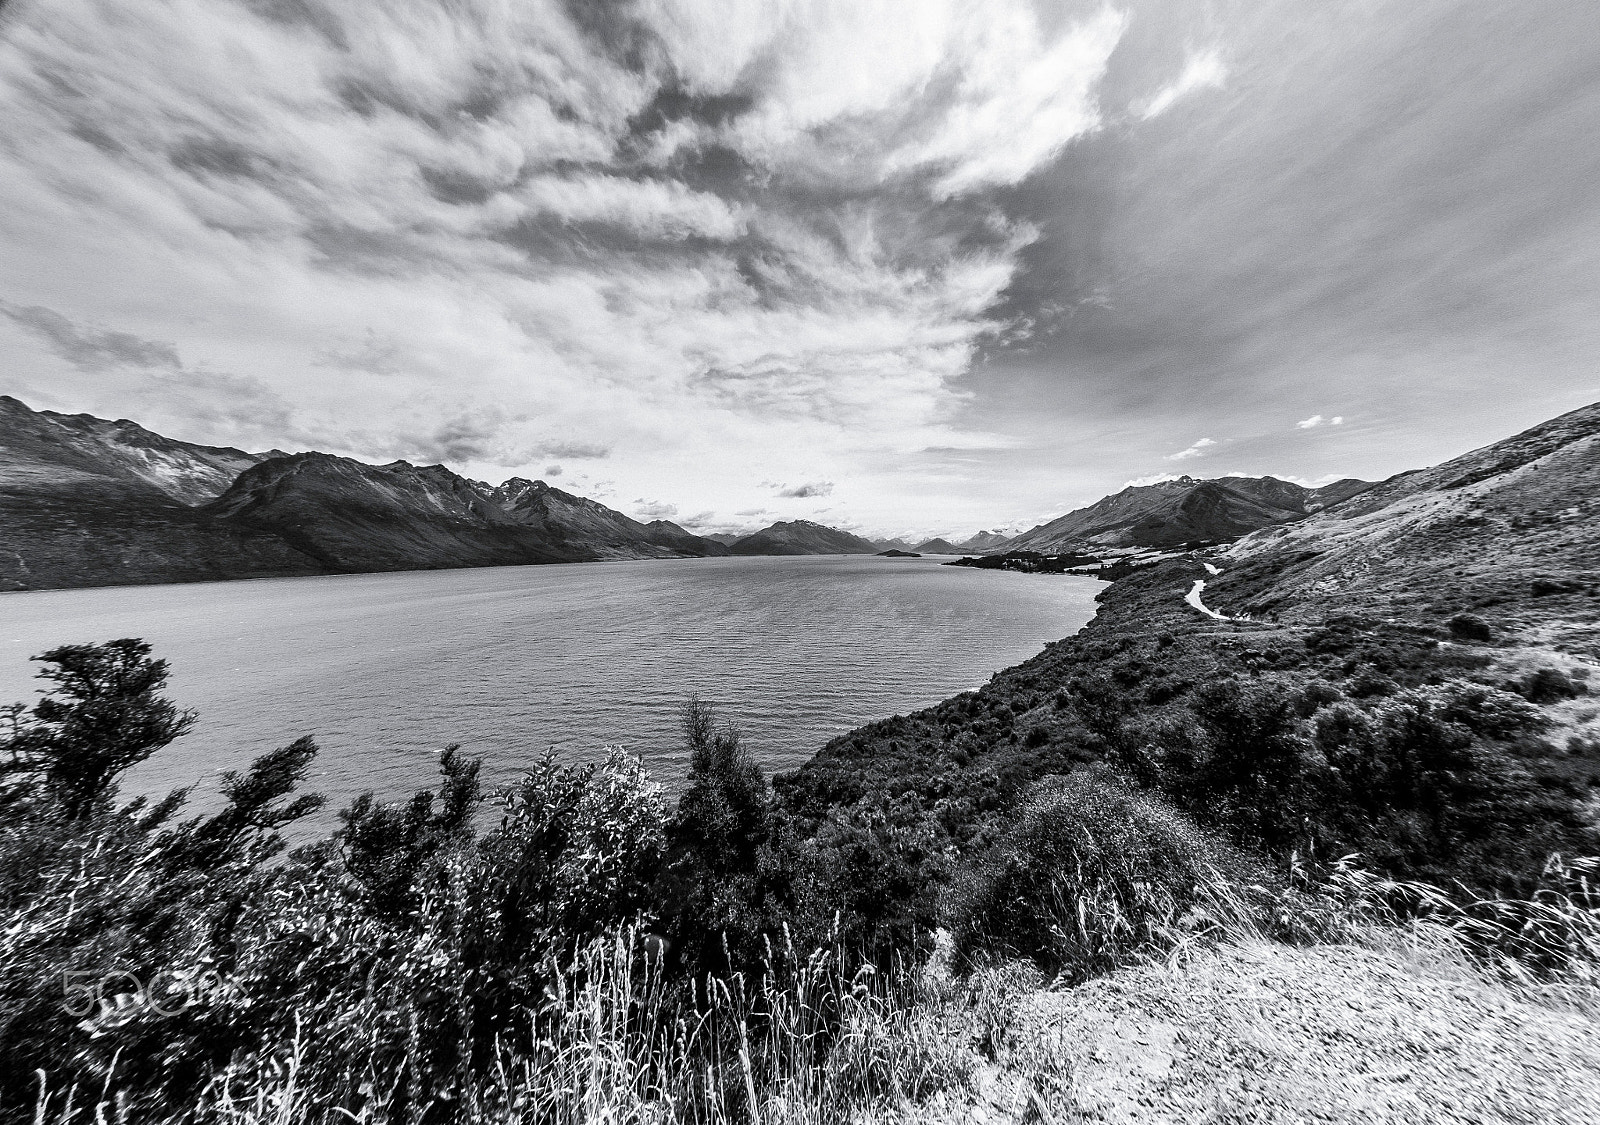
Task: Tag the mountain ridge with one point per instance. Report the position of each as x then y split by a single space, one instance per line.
1181 512
90 502
802 537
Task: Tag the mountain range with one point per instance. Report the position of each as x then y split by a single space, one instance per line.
85 501
802 537
89 502
1182 512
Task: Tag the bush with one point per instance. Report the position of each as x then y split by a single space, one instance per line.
1087 877
1470 627
1252 771
1550 685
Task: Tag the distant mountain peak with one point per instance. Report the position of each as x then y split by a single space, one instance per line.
802 537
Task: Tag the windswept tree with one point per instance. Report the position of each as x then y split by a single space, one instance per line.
104 714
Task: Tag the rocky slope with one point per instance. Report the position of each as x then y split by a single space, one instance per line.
46 452
577 520
1180 513
802 537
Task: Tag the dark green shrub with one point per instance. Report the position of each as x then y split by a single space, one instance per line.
1250 769
1087 875
95 893
720 874
1426 784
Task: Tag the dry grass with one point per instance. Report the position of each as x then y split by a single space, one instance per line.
819 1039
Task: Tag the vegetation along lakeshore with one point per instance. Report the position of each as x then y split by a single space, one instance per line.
823 562
1352 773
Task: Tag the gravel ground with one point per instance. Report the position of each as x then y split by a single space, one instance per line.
1266 1033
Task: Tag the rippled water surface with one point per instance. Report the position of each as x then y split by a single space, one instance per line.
383 669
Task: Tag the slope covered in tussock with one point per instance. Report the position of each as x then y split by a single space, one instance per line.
1269 1033
1509 532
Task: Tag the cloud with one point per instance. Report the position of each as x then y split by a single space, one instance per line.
372 355
1154 478
88 348
1204 70
654 509
800 491
1316 420
717 239
575 450
1198 449
726 241
659 209
552 470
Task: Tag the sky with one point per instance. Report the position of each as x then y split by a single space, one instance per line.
901 266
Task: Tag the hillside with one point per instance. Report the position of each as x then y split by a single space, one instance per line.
802 537
43 451
89 502
1182 512
1509 532
938 547
352 517
1473 580
591 526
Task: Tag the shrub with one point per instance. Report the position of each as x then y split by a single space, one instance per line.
1470 627
1087 876
1550 685
1252 770
387 847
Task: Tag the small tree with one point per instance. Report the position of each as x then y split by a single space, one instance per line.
722 815
104 714
718 882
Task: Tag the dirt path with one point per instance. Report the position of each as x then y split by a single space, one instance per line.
1193 598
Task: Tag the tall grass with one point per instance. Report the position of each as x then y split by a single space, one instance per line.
812 1041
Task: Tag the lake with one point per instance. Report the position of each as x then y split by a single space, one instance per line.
385 669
